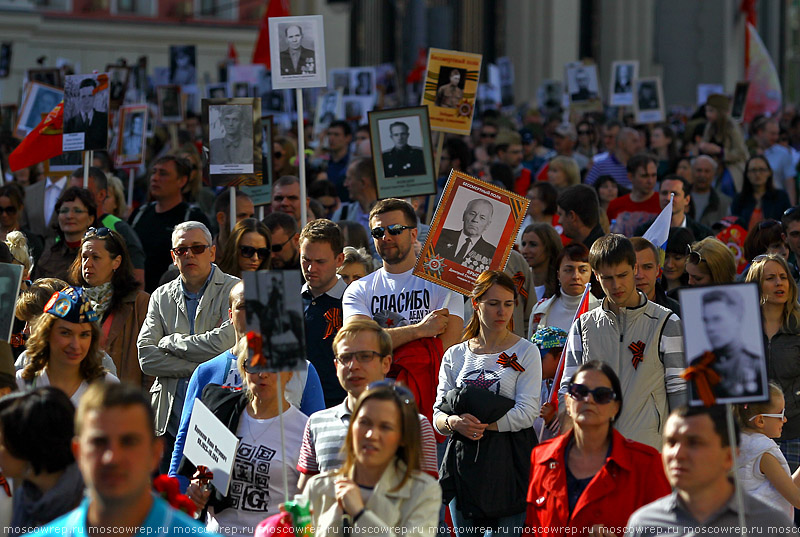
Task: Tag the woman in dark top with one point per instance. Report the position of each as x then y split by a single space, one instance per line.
759 199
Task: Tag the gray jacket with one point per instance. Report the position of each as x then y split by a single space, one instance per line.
167 352
650 388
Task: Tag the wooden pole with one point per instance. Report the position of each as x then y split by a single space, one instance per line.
437 160
301 158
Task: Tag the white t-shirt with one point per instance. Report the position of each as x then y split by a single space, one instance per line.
256 486
752 447
43 380
398 299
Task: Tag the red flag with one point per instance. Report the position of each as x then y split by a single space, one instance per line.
583 307
418 72
276 8
42 143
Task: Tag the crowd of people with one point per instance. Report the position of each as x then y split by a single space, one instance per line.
416 407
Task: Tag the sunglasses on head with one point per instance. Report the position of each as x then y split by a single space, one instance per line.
403 394
250 251
692 256
196 249
10 210
100 233
394 230
601 395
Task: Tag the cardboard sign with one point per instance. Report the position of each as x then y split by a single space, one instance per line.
451 85
209 443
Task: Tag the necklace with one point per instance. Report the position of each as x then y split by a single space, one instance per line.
257 437
497 347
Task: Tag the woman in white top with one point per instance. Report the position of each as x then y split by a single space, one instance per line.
574 272
492 357
64 347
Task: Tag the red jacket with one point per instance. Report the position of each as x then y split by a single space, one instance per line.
633 476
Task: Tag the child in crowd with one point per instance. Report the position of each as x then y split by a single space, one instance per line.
763 470
551 341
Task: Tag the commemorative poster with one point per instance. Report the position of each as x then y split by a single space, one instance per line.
451 86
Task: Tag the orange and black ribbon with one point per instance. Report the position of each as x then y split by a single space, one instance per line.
704 377
203 474
510 361
638 353
4 484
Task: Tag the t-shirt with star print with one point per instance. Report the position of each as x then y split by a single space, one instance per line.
515 373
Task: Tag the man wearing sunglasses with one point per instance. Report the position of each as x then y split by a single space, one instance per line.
187 324
363 355
285 239
639 339
410 308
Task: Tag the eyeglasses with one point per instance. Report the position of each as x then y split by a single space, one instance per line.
693 257
403 394
488 135
781 416
764 224
394 230
362 357
10 210
250 251
278 247
73 210
277 154
100 233
196 249
601 395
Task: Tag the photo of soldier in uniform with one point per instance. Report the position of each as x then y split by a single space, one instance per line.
450 88
582 83
401 159
722 332
86 103
297 52
231 136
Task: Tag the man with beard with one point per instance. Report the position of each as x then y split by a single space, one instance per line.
409 307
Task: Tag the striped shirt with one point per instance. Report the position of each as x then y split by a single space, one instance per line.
324 436
609 166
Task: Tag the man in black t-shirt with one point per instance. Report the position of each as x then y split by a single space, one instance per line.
155 221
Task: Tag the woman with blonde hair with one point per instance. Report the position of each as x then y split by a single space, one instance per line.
710 261
780 323
380 484
563 172
115 202
64 347
471 416
247 248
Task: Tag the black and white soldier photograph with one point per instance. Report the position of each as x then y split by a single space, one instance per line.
182 65
401 147
297 52
230 138
86 101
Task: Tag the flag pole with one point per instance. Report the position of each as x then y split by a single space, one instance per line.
560 368
732 442
131 175
87 161
301 157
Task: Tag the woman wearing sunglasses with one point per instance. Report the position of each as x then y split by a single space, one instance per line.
11 204
592 476
709 261
253 414
104 269
759 199
247 249
380 486
780 322
487 401
75 212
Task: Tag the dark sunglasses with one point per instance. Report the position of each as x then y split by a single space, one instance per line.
692 256
601 395
394 230
196 249
100 233
10 210
791 210
278 247
402 393
277 154
250 251
488 135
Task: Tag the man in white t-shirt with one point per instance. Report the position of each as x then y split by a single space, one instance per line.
407 306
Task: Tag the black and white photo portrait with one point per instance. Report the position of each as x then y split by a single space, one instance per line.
648 96
216 91
52 76
10 278
581 83
297 52
739 99
722 332
648 103
86 99
133 134
623 73
364 81
340 79
230 138
241 89
272 314
468 237
182 62
169 103
450 86
117 84
329 109
400 157
40 99
506 80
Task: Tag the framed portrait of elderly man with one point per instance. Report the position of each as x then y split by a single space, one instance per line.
10 279
170 104
723 344
132 127
297 52
86 102
39 99
473 230
232 141
623 73
404 164
451 86
274 320
648 106
583 87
